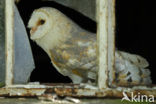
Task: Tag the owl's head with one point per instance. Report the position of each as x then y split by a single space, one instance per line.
41 22
49 27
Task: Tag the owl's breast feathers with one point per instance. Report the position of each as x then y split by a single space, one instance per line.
76 56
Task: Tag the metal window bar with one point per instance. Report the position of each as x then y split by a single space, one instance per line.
106 41
105 36
9 23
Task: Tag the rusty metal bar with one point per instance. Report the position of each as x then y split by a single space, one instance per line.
41 90
108 92
9 20
106 41
102 42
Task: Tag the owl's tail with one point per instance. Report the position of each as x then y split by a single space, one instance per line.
131 69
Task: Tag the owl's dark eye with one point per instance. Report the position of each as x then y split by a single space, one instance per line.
42 21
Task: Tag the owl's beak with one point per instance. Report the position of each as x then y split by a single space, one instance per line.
33 29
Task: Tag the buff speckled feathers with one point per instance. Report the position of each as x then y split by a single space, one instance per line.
72 50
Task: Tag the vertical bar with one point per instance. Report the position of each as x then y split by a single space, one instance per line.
9 17
111 41
2 43
106 42
102 42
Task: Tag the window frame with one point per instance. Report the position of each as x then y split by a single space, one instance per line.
105 15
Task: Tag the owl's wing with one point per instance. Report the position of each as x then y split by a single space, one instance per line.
135 59
77 56
131 69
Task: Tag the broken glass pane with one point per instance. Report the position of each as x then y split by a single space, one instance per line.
24 63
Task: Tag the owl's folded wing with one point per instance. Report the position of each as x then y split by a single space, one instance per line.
135 59
131 69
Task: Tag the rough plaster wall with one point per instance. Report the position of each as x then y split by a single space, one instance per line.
2 43
86 7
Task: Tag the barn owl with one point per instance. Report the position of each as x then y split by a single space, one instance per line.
72 50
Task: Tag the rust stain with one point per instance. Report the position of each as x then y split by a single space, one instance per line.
66 92
75 92
109 93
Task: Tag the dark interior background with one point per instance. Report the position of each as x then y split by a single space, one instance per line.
135 29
